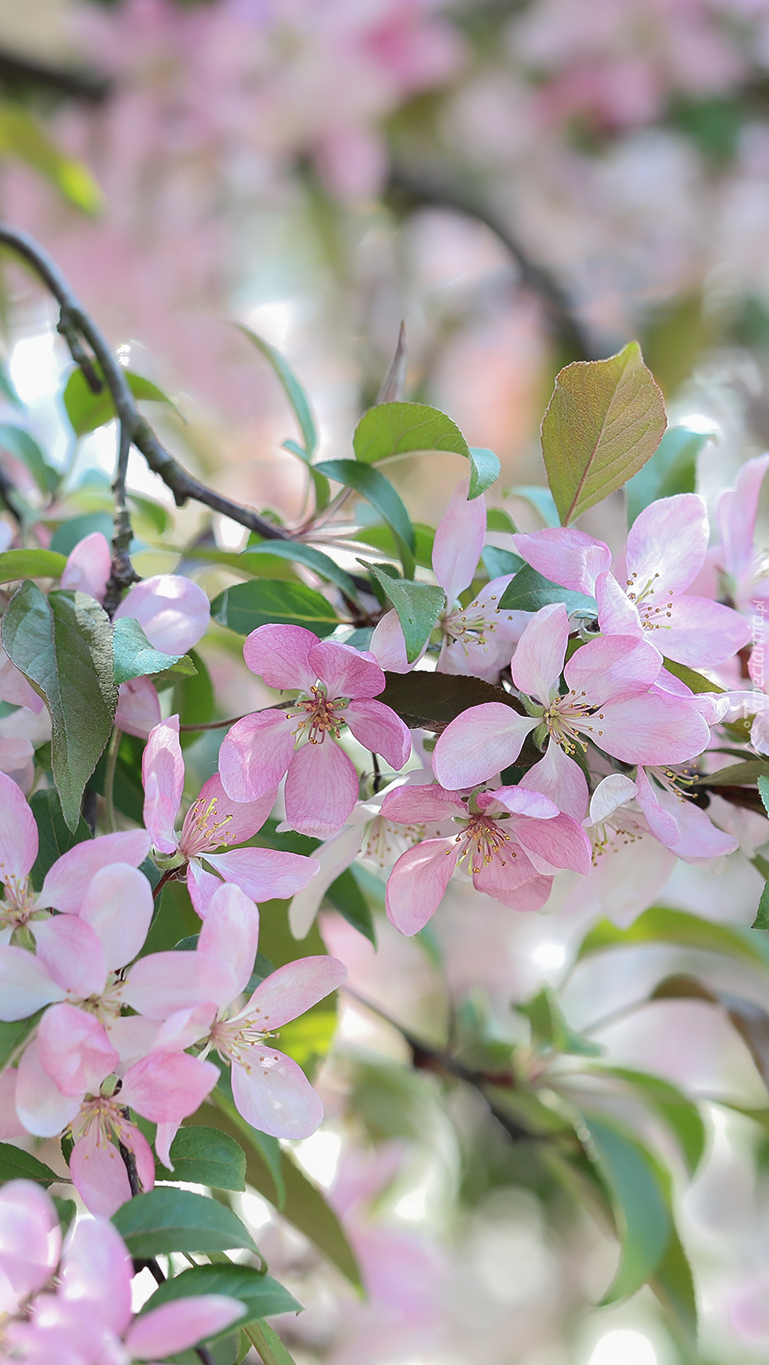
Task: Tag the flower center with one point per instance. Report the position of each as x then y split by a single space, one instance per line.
18 903
242 1039
566 717
615 833
383 842
470 625
320 715
482 840
654 615
202 831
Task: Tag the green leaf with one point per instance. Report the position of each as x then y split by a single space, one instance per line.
55 836
18 442
166 1219
63 645
346 896
673 1284
18 1165
260 1295
206 1156
737 774
676 1110
418 606
377 490
135 657
762 913
18 564
497 519
763 789
498 562
193 698
429 701
291 387
299 553
23 138
392 429
694 681
319 483
529 591
69 533
604 421
671 469
88 410
549 1028
247 605
541 499
382 539
66 1209
640 1204
13 1035
660 925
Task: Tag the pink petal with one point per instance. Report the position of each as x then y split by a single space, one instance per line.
138 707
654 728
417 883
379 729
331 858
279 654
479 743
75 1050
172 611
25 985
175 1326
10 1125
237 820
699 839
18 833
459 541
99 1174
274 1095
202 887
255 754
163 780
40 1104
388 645
736 513
166 1087
560 778
164 1136
344 671
701 633
14 687
526 898
67 882
97 1270
557 843
519 801
184 1028
661 822
265 874
230 933
611 793
294 988
132 1036
617 615
118 907
668 541
321 789
565 556
162 983
613 668
30 1236
89 566
72 954
418 805
541 651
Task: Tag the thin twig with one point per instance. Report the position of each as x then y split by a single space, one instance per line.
79 84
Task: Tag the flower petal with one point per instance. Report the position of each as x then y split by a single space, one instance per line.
172 611
559 777
118 907
418 881
655 728
736 513
72 954
75 1050
519 801
617 615
612 669
14 687
459 541
332 858
162 983
30 1236
67 882
379 729
701 633
565 556
40 1104
294 988
553 844
388 644
279 654
274 1095
667 544
660 821
611 793
525 897
138 707
541 651
255 754
202 887
176 1326
265 874
163 780
18 833
344 670
97 1270
230 933
419 805
479 743
89 566
99 1174
236 820
321 789
25 985
166 1087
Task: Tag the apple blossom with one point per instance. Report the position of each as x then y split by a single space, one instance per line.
338 686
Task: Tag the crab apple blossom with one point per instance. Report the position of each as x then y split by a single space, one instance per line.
611 700
512 840
174 614
745 568
30 1242
67 880
337 688
667 547
212 821
89 566
478 638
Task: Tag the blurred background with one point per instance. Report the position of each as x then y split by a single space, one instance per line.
524 183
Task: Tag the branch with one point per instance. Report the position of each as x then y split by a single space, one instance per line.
420 190
82 85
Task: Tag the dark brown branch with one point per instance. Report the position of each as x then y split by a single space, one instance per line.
417 190
19 70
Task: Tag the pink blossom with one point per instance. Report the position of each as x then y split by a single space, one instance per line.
666 548
30 1241
174 614
737 556
213 820
89 566
612 702
67 881
514 840
337 689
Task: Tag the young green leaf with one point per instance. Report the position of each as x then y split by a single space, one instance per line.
377 490
763 789
291 387
24 139
679 1113
671 469
762 913
296 551
673 1284
696 682
737 774
13 1035
16 1164
245 606
661 925
418 606
18 564
18 442
166 1219
260 1295
392 429
55 837
88 410
206 1156
604 421
63 645
135 657
529 591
